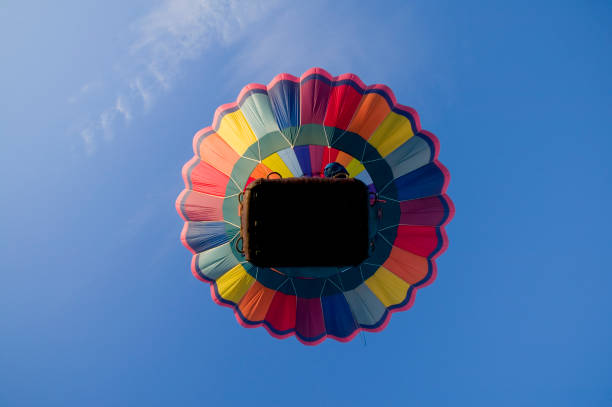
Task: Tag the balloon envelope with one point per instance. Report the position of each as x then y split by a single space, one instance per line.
296 127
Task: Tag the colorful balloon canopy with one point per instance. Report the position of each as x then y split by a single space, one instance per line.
296 126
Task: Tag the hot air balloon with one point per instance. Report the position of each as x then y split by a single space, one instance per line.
295 127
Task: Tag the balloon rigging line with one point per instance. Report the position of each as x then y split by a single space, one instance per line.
294 289
370 264
282 284
378 233
361 273
326 135
233 224
363 152
392 226
249 158
393 199
286 139
235 183
386 185
322 289
340 136
371 161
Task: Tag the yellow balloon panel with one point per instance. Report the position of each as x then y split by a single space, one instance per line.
275 163
394 131
236 132
389 288
234 284
354 168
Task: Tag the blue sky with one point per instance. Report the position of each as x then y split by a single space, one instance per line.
100 101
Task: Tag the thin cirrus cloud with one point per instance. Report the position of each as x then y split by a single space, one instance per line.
173 32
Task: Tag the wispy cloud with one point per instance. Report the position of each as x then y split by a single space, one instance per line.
106 121
375 37
85 89
122 107
88 140
174 32
145 95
